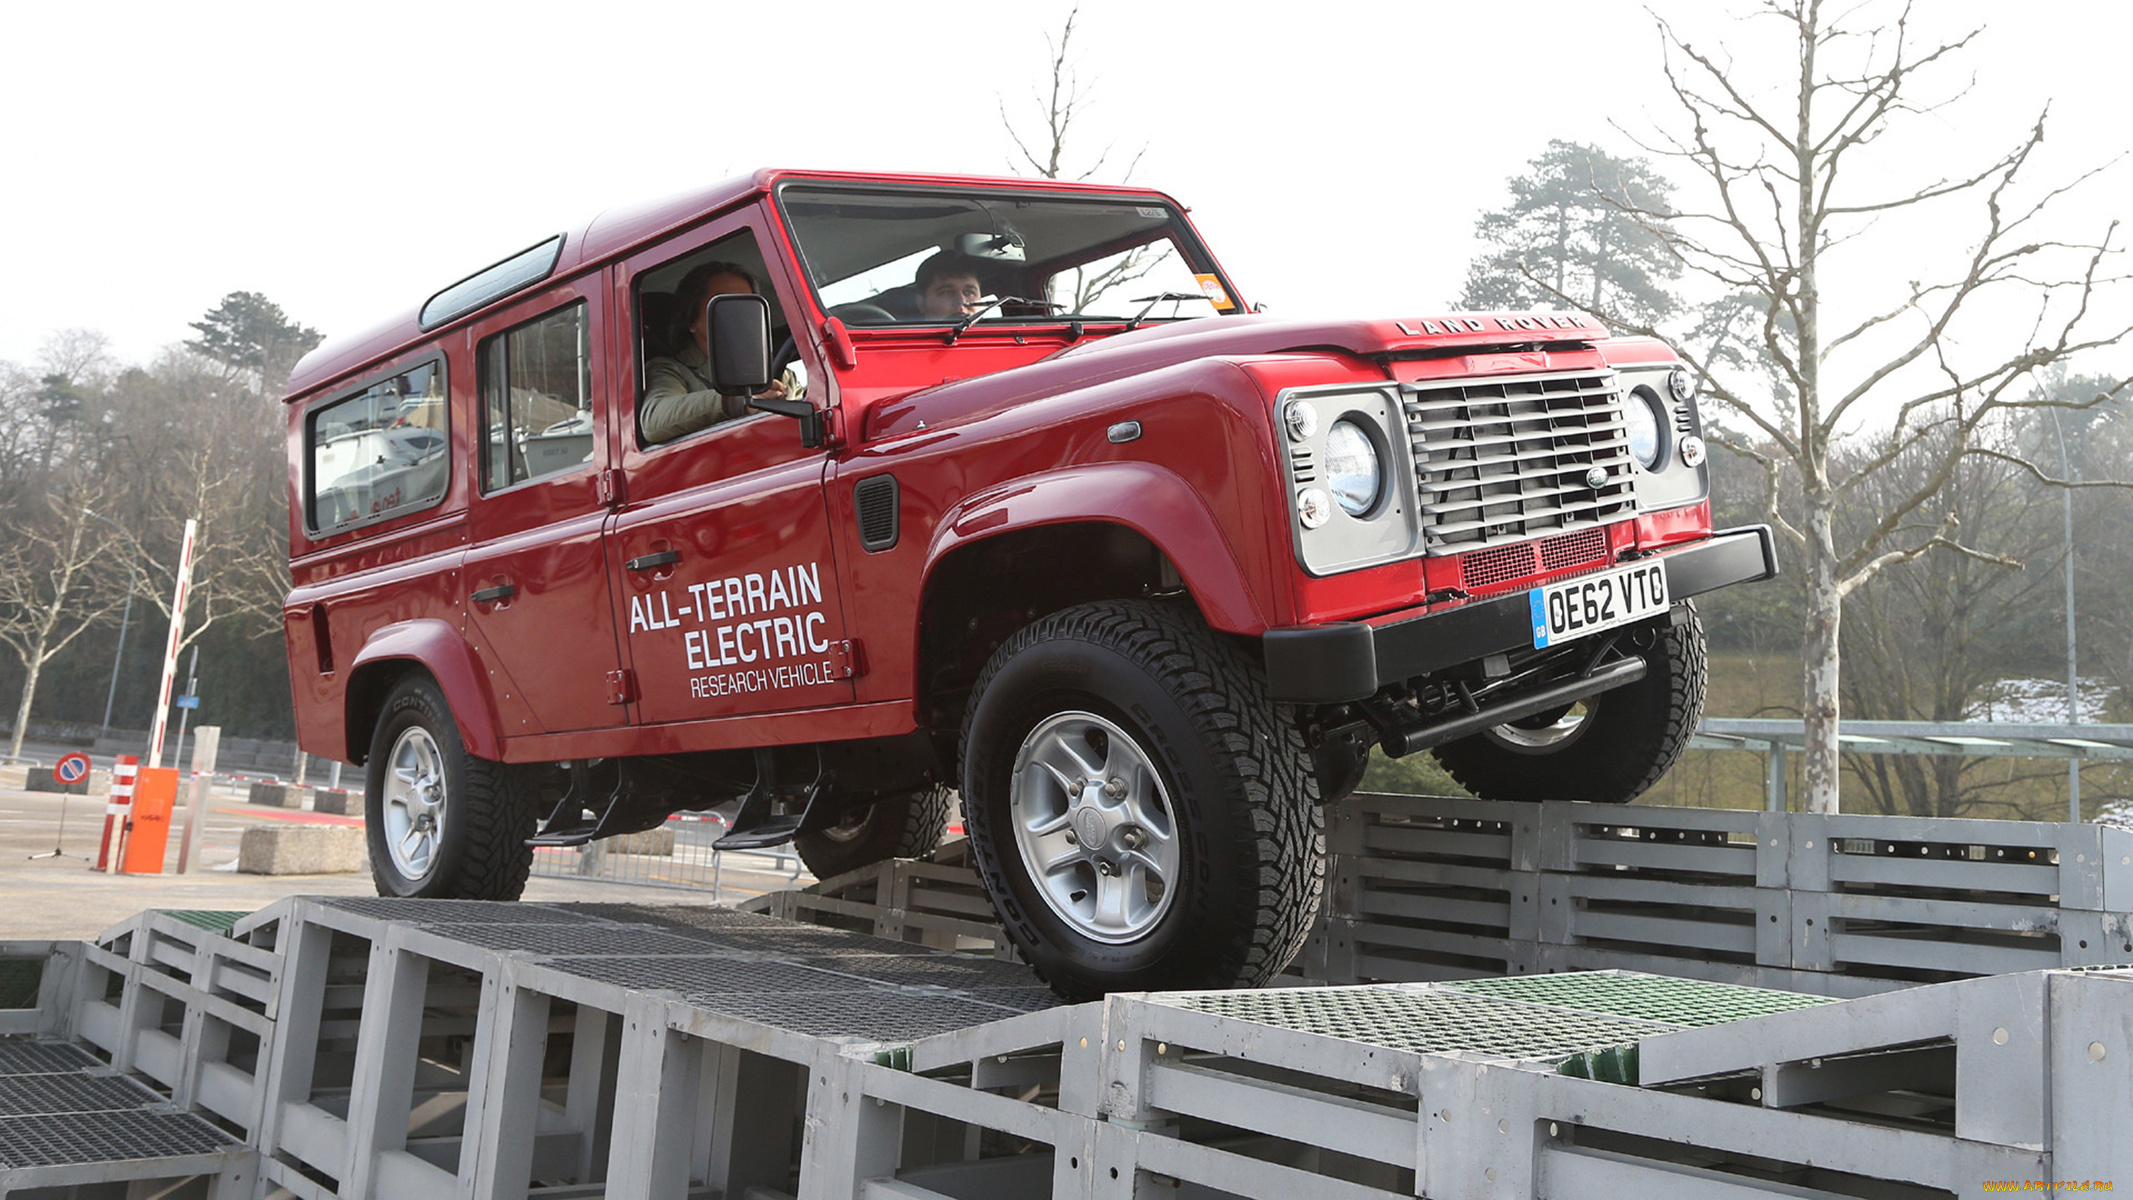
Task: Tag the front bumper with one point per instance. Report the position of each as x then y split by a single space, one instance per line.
1350 660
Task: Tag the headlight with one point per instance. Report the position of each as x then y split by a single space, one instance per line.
1354 470
1640 415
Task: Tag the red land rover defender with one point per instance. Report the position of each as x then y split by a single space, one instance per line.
835 492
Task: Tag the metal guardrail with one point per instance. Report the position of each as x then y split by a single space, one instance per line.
678 854
1775 739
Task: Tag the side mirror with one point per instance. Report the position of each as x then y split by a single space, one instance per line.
740 344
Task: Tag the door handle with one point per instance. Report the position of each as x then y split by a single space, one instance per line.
648 562
491 595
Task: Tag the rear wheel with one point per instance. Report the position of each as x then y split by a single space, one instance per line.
1607 748
906 826
1143 816
441 823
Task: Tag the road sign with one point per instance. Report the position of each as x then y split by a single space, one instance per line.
187 702
71 768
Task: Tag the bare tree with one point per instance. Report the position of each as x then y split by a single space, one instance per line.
56 580
1063 98
1791 184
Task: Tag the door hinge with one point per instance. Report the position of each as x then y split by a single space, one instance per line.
614 493
846 660
622 686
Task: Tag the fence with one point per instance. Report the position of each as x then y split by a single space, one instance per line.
678 854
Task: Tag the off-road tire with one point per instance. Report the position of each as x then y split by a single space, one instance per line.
906 826
1631 735
1241 784
482 852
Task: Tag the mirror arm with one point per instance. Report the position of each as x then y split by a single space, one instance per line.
810 417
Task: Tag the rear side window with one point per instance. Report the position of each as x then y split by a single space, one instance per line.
381 451
536 399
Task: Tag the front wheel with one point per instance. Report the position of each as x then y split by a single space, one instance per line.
441 822
905 826
1607 748
1142 814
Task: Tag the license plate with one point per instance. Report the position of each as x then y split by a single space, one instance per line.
1569 610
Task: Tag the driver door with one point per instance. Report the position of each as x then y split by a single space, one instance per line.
723 568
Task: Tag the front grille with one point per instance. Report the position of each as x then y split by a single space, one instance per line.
1500 564
1484 567
1500 461
1573 549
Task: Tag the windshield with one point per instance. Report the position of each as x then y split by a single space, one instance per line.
909 257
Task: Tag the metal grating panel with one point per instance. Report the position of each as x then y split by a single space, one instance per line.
707 976
214 920
694 916
582 939
872 1016
79 1138
454 912
1426 1020
1646 997
43 1058
938 970
1499 461
72 1092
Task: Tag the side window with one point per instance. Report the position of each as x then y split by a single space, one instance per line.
379 452
678 399
536 399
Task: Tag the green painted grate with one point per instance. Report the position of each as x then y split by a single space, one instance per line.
214 920
1683 1002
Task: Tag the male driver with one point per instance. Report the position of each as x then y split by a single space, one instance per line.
948 287
679 398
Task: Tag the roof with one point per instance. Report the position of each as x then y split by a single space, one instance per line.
610 233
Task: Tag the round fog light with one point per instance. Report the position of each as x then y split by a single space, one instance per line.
1681 383
1692 451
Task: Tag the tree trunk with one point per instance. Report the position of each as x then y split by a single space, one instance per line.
1825 616
22 710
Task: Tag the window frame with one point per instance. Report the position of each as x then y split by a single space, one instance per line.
434 357
481 398
1181 231
640 375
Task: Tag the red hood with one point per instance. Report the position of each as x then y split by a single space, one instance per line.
1243 336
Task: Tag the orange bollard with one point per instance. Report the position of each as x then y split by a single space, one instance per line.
155 794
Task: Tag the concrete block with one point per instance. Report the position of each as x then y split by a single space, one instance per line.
282 849
14 777
658 843
339 802
278 795
41 779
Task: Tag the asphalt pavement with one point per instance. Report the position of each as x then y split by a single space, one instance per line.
51 898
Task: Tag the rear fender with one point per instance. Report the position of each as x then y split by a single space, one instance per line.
1148 499
434 646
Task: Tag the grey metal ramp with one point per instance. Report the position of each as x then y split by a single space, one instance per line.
67 1119
395 1050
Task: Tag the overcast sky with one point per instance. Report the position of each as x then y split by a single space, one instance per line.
348 159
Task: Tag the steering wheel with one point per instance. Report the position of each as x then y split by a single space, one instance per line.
783 356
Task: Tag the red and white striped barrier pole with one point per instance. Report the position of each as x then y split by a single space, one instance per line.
116 812
161 720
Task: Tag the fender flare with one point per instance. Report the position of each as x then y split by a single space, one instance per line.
437 647
1164 509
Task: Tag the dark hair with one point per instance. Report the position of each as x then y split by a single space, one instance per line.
948 264
695 289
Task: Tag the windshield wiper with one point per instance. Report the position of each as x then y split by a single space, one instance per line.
1140 318
995 302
